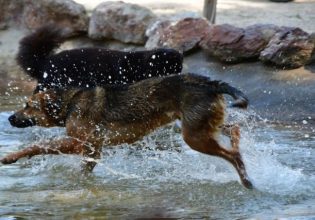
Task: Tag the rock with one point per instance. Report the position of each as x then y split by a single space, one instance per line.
121 21
312 38
66 13
289 48
33 14
11 11
182 35
232 44
154 34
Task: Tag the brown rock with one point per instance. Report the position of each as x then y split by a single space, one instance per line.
232 44
121 21
182 35
289 48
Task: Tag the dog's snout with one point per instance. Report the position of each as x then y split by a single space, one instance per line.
20 122
12 119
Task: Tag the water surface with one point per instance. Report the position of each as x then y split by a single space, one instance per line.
161 176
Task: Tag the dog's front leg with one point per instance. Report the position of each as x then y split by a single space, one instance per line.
91 153
63 146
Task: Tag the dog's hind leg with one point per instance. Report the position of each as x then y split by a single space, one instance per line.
233 132
203 142
62 146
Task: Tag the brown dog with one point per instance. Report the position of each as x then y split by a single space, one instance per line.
119 114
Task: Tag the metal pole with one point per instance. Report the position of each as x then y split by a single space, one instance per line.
209 10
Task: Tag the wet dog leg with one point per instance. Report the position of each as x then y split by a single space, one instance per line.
204 143
91 154
62 146
233 132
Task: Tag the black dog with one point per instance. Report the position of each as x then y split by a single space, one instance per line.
89 67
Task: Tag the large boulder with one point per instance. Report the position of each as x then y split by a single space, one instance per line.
33 14
66 13
11 13
120 21
232 44
289 48
312 38
182 35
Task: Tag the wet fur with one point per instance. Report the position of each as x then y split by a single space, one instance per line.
89 67
119 114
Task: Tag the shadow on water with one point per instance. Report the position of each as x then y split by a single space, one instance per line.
162 177
311 68
285 96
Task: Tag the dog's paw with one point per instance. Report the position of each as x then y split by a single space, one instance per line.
247 183
8 160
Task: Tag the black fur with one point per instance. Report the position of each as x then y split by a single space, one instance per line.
241 100
89 67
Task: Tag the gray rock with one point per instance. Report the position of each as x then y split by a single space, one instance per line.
66 13
289 48
11 13
33 14
182 35
120 21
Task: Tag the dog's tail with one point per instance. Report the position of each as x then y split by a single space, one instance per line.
241 101
36 47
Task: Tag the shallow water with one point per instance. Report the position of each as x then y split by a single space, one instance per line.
161 177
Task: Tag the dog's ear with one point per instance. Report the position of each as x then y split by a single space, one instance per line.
52 103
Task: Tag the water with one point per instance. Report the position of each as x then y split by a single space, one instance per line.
161 177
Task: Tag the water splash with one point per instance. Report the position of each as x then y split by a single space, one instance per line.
261 151
164 157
